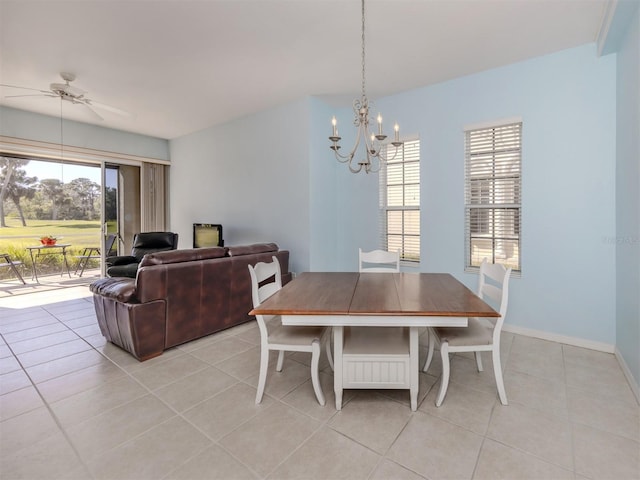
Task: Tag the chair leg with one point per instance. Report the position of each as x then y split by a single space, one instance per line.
17 273
262 379
81 265
497 370
315 378
444 382
478 361
432 344
280 361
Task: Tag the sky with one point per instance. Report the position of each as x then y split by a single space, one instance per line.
64 172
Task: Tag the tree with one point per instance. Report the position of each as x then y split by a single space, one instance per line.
21 187
83 192
52 189
15 184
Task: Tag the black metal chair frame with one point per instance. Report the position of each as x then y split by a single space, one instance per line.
12 265
93 253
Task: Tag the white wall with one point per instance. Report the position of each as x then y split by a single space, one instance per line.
567 103
627 239
251 176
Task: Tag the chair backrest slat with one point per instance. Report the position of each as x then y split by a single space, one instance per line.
493 292
498 292
260 272
379 261
108 243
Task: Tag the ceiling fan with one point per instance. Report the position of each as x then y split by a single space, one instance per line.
66 91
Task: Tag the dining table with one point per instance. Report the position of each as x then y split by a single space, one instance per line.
343 300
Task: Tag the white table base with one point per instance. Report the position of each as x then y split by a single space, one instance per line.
373 357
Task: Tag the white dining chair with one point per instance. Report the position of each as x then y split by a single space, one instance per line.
275 336
379 261
477 337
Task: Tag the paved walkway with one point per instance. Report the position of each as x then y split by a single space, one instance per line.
12 286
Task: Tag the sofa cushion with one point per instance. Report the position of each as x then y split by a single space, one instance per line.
120 289
252 249
179 256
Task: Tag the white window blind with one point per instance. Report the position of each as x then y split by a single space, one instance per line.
493 181
400 202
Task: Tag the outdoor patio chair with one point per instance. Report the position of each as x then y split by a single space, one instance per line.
12 265
93 253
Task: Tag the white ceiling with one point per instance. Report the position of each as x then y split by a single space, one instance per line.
181 66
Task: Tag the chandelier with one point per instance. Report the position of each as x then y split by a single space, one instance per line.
374 144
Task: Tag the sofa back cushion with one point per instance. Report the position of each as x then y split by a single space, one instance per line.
252 249
179 256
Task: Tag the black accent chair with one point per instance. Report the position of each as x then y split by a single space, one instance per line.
143 243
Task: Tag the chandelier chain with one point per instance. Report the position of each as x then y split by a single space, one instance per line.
363 69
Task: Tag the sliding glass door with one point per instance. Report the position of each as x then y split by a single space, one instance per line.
81 204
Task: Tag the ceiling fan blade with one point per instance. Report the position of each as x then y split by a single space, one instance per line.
109 108
24 88
32 95
94 113
70 94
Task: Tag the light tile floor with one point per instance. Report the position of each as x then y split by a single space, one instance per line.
73 406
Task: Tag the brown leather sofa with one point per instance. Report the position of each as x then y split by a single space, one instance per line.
180 295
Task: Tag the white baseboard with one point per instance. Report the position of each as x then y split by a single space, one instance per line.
580 342
627 373
555 337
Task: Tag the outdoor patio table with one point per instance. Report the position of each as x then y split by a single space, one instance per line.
41 250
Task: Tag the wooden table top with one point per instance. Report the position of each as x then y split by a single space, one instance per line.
353 293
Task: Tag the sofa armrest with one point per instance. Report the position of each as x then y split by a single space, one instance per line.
120 289
120 260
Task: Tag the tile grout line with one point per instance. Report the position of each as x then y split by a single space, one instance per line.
55 418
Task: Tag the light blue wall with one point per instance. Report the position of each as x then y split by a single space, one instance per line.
251 176
323 200
43 128
627 237
323 213
568 106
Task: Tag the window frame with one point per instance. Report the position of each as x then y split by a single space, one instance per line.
494 197
385 208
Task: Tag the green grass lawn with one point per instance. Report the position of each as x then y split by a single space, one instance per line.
14 238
